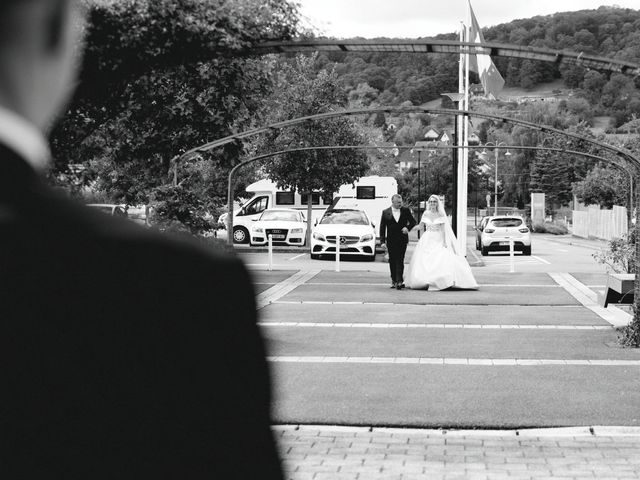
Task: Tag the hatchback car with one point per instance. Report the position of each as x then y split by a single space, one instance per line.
352 227
479 229
500 230
285 225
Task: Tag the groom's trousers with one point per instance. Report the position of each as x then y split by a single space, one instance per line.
396 252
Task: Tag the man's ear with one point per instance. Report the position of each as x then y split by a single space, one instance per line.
55 23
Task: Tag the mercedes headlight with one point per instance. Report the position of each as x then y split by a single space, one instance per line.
319 236
366 238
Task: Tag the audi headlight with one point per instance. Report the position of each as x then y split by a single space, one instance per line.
258 229
366 238
319 236
296 230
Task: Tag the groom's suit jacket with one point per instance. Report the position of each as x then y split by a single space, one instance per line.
391 231
124 354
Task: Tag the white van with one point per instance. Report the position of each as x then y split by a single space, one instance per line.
267 195
371 194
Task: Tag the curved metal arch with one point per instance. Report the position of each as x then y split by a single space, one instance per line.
446 46
434 111
230 189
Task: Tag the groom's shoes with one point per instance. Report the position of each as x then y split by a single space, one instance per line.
400 285
394 285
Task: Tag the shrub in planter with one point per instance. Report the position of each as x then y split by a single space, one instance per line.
620 257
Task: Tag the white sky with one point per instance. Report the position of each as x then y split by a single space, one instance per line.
427 18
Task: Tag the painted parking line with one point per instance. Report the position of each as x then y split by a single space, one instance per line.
589 299
296 257
432 325
444 361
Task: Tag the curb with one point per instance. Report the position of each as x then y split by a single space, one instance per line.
553 432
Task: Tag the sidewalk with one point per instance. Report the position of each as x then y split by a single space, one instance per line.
356 453
591 243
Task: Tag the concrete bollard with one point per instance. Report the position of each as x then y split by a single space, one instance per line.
337 253
270 241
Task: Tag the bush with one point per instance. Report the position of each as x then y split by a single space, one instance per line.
555 228
620 254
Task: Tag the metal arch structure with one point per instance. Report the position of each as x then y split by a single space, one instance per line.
239 137
230 189
446 47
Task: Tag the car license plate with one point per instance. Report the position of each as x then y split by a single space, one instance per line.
502 244
278 236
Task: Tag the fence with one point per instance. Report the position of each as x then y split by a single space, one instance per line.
603 224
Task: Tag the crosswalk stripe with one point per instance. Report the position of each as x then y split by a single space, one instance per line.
445 361
432 325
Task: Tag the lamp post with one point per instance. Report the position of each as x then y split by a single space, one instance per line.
495 183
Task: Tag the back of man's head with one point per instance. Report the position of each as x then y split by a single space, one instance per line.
38 42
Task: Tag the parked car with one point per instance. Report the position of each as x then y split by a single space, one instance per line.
353 227
499 230
479 229
109 209
285 225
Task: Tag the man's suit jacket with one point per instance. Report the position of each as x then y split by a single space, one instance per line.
391 231
123 354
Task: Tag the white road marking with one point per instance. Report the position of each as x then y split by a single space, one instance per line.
279 290
297 256
589 299
487 362
433 325
445 305
541 259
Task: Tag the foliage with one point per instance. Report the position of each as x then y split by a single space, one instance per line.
176 209
157 80
605 186
303 92
554 228
620 254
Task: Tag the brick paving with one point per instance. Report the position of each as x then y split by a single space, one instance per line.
356 453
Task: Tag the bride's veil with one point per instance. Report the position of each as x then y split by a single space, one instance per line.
449 237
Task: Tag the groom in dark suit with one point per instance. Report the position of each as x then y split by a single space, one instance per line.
395 224
124 354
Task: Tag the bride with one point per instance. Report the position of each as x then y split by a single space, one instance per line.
435 261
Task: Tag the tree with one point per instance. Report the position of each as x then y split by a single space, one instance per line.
605 186
160 77
303 92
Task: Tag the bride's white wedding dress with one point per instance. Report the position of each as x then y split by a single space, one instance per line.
435 262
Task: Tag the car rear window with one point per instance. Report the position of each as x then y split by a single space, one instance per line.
506 222
350 217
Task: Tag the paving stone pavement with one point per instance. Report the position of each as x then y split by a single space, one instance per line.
357 453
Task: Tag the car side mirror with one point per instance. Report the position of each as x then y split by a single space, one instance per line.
373 225
316 223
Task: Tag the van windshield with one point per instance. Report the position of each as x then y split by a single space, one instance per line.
279 216
350 217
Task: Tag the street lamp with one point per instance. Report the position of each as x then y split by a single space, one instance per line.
483 155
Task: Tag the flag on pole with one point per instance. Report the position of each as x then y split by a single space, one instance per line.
482 64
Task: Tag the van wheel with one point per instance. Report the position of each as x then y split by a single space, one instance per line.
240 235
484 251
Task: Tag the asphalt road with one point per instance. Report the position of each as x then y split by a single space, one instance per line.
528 349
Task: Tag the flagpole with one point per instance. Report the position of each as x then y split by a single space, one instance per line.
461 141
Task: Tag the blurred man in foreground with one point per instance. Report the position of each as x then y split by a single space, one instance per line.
123 354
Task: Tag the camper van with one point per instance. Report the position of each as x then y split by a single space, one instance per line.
371 194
